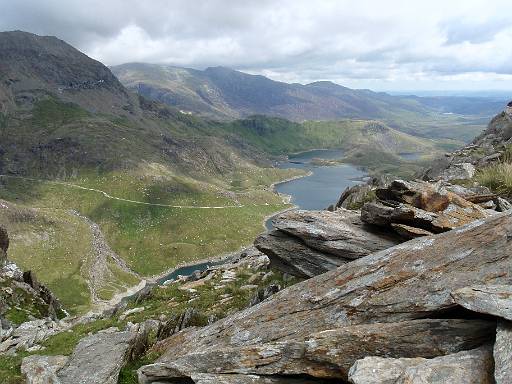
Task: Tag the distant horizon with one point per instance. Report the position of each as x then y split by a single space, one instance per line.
484 92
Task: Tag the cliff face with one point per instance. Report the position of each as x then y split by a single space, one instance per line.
32 66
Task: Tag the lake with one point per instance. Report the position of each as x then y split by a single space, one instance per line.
316 191
324 186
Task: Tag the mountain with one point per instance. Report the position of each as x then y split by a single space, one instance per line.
148 186
79 153
223 93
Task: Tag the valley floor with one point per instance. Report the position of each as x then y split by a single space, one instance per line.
129 227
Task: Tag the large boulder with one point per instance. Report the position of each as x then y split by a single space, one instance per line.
291 256
97 359
308 243
467 367
330 354
428 206
42 369
491 299
503 353
406 282
340 233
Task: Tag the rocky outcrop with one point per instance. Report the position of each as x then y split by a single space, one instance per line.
97 359
403 283
486 149
490 299
428 207
27 335
308 243
42 369
473 366
460 171
503 352
28 310
330 354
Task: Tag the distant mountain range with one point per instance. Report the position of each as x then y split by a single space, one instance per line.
223 93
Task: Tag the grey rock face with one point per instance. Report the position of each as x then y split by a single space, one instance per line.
28 334
503 353
97 359
308 243
461 171
330 354
291 256
340 233
491 299
467 367
42 369
409 281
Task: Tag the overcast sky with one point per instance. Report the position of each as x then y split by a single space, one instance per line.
377 44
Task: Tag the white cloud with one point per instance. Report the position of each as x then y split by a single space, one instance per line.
363 43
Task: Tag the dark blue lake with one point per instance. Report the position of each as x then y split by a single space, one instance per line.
316 191
411 156
324 186
188 270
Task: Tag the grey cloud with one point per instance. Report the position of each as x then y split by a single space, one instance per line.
293 40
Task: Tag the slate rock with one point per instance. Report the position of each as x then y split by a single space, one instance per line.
340 233
406 282
466 367
98 359
205 378
503 353
42 369
291 256
490 299
330 354
408 232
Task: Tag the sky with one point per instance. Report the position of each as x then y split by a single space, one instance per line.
388 45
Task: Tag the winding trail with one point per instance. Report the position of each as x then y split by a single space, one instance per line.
108 196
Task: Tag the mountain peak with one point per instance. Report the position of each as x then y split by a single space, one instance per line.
48 65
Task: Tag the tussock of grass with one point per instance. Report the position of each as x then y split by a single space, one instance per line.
497 177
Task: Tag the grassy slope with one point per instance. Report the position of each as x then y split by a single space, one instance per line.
194 168
168 301
204 171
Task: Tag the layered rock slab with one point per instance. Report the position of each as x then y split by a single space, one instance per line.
431 207
406 282
490 299
330 354
466 367
503 353
308 243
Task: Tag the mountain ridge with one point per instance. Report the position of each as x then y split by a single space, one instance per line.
226 94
